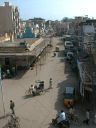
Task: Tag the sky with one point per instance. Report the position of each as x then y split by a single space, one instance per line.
54 9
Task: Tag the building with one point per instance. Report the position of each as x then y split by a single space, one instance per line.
62 28
9 20
87 59
38 25
20 54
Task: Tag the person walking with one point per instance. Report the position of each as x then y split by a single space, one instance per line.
12 105
87 117
13 71
8 73
50 83
71 112
95 119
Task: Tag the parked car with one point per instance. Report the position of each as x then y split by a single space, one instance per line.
69 96
68 45
69 55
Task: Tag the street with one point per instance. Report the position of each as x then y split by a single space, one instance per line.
38 111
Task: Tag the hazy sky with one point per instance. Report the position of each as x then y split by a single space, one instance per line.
54 9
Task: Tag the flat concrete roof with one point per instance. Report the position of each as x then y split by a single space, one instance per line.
16 43
15 49
17 54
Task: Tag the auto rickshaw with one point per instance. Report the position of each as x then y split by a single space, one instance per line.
69 96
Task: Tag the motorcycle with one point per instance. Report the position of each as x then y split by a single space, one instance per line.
62 124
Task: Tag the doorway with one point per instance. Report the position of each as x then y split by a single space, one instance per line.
7 61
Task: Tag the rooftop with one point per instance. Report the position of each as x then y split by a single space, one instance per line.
17 42
19 46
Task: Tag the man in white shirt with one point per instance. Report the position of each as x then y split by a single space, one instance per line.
61 117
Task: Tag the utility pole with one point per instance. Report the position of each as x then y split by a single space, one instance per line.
40 61
36 66
36 61
2 92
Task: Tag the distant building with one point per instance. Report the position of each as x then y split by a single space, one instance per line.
9 20
38 25
62 28
22 26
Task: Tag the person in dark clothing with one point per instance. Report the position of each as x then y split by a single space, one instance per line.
50 83
12 105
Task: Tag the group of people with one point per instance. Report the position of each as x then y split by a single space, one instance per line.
32 90
9 72
62 116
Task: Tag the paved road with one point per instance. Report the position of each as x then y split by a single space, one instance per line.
37 112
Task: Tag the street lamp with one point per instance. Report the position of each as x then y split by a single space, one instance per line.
35 54
36 66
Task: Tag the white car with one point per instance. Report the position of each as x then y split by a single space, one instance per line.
68 45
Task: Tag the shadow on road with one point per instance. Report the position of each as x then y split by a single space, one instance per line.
70 79
19 74
31 95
